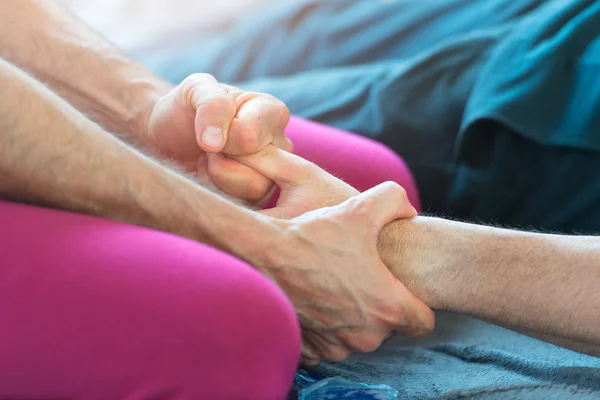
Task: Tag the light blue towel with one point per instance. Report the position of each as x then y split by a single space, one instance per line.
471 358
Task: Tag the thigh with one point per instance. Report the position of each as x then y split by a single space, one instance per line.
91 308
360 161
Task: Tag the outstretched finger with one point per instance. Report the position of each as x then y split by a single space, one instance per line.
278 165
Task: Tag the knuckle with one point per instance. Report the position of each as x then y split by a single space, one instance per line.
427 326
276 112
396 191
217 103
284 111
202 93
363 207
336 353
248 136
364 343
198 77
399 314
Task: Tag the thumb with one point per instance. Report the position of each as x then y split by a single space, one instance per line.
278 165
213 107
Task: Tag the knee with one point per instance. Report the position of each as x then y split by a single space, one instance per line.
140 314
264 345
235 336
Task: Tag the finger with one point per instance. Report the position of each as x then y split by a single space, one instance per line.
236 179
284 143
259 205
213 107
279 212
415 318
307 362
310 355
331 349
388 202
265 113
278 165
260 120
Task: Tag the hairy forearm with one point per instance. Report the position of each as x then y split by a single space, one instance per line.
51 155
545 285
42 37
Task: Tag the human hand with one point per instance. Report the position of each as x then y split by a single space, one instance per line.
304 186
201 122
327 263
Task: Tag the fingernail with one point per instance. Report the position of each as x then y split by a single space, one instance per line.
212 136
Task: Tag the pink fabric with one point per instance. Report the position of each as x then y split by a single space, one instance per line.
95 309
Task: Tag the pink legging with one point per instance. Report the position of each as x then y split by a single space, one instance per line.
95 309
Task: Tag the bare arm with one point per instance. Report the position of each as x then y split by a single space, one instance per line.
43 38
51 154
542 285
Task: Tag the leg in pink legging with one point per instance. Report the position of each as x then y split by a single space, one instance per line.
94 309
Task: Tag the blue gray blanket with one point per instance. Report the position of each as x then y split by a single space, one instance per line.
495 106
467 358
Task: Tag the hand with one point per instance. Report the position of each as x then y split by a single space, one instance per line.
201 122
304 186
327 263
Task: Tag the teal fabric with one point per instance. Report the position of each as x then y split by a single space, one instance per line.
528 148
543 79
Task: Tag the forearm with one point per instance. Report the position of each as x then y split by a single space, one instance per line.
536 283
52 155
42 37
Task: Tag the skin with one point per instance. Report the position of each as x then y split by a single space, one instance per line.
128 100
542 285
52 154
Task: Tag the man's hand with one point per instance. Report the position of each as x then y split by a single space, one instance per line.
327 263
201 122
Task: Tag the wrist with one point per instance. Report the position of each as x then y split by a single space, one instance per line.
136 118
416 253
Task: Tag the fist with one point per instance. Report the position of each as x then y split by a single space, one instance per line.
201 123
